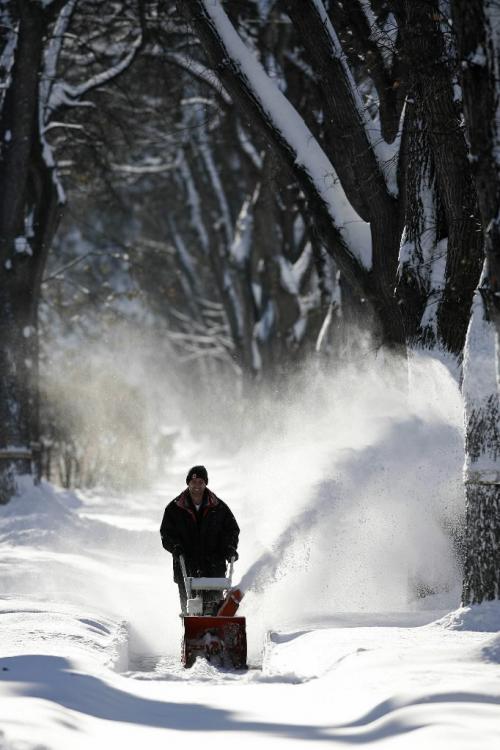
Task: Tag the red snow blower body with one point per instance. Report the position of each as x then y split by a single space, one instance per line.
221 637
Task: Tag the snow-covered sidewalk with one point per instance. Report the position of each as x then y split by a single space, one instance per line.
396 687
90 651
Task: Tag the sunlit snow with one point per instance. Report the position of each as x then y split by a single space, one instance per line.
344 490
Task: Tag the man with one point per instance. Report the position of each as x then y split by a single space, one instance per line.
200 527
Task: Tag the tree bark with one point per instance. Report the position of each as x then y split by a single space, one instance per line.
478 49
432 83
478 64
482 460
20 252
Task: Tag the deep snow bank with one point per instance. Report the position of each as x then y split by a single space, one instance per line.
436 684
482 619
89 640
55 548
464 635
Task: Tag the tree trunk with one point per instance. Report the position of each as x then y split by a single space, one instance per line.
431 66
28 218
482 465
475 22
478 51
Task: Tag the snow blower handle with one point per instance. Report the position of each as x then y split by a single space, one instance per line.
212 584
187 582
231 566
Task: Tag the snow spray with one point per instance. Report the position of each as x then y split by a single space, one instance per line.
347 497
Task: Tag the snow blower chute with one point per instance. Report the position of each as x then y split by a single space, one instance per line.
221 637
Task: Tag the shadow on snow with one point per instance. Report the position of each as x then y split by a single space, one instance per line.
52 678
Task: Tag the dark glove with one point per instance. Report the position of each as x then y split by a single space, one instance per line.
178 551
231 554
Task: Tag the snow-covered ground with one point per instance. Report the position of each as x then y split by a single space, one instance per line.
342 510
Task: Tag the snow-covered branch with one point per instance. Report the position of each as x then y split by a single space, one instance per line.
354 137
245 78
199 71
52 53
9 34
64 94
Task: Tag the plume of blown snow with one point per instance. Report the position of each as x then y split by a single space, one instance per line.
350 493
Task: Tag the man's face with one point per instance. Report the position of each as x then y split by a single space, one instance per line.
196 487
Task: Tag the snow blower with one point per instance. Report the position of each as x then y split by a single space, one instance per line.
221 637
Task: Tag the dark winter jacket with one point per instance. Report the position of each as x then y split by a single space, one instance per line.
206 537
